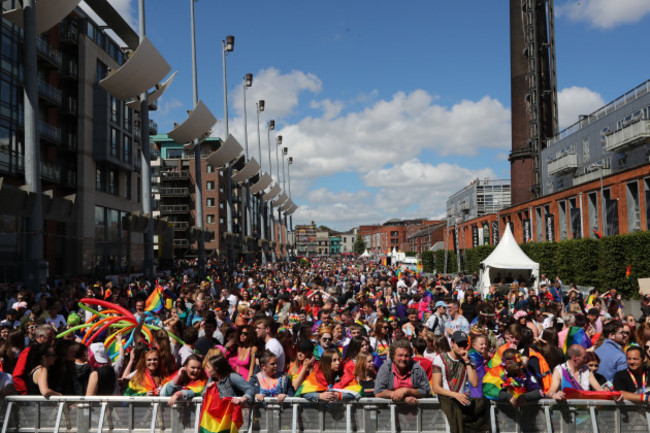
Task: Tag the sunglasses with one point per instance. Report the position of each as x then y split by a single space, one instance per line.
462 344
325 339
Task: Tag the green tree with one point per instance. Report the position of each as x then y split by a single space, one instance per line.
359 245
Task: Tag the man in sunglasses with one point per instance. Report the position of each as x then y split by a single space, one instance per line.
453 372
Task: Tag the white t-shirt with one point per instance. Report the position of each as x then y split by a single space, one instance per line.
276 348
57 322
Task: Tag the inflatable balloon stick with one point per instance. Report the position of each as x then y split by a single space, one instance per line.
117 322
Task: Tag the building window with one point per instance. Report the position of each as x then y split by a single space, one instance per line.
539 225
209 168
592 209
100 181
222 205
575 219
221 220
209 202
127 118
209 185
210 219
646 189
115 116
113 178
114 143
126 154
102 70
633 207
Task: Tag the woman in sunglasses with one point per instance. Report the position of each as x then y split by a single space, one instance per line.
324 342
241 351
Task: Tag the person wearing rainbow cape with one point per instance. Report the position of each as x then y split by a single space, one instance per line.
187 383
510 381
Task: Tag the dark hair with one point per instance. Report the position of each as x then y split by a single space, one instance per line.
326 364
354 348
591 356
190 335
221 365
611 328
419 345
196 358
581 321
638 349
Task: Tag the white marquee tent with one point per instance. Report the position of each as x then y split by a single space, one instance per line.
507 260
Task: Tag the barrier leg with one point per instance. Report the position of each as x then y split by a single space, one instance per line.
547 416
393 417
370 418
197 420
5 423
83 418
59 415
273 418
493 416
154 417
348 418
102 414
594 421
294 417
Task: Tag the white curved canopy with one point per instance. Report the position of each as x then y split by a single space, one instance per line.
196 125
142 71
249 170
229 150
265 180
153 96
275 190
291 210
48 13
286 205
281 199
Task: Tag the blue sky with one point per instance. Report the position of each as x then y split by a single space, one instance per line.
386 107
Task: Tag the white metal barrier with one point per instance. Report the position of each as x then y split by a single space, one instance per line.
118 414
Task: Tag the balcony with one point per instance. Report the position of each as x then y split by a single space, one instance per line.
69 141
634 134
174 175
49 54
49 132
51 172
153 127
564 164
181 243
69 106
174 208
49 93
69 69
174 192
179 225
68 34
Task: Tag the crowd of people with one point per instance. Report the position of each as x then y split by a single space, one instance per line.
333 330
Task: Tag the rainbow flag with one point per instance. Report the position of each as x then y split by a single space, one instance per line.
142 387
576 335
314 382
496 359
155 302
113 349
219 415
495 380
196 386
353 387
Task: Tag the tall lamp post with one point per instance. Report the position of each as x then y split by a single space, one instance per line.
247 81
228 45
198 182
261 207
289 163
278 141
270 127
285 151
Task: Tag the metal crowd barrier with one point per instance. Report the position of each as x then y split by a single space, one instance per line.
119 414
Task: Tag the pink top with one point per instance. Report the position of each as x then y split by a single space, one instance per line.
240 366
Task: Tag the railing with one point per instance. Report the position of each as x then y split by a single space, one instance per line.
181 243
27 414
565 163
175 174
174 208
633 134
46 50
49 92
174 191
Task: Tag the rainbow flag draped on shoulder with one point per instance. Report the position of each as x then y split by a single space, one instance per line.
142 387
576 335
219 415
314 382
496 379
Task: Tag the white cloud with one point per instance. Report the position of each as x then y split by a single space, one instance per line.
408 190
279 91
395 131
605 14
331 109
575 101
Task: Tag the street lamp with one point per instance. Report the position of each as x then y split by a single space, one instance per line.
228 45
247 81
289 163
278 141
271 127
261 207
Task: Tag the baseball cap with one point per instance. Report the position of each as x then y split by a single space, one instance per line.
459 336
99 352
441 304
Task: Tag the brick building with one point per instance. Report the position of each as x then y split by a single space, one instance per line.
392 234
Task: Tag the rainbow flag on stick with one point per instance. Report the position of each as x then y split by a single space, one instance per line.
155 302
219 415
314 382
